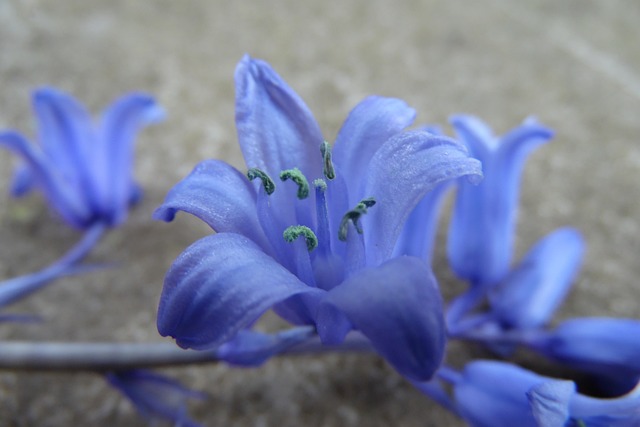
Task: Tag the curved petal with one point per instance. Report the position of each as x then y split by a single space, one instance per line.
276 130
66 135
399 308
221 196
493 394
550 402
623 411
114 155
218 286
250 348
415 162
482 226
597 344
419 231
534 290
61 196
369 125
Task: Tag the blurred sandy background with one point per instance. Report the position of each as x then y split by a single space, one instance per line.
573 64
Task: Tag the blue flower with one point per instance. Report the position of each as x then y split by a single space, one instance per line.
481 233
155 396
83 168
319 254
497 394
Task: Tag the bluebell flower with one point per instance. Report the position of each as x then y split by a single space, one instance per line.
83 168
481 232
317 248
497 394
156 397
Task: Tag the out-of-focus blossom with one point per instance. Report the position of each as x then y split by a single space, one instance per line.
319 254
83 168
156 397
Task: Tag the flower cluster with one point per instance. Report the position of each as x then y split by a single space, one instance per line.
337 239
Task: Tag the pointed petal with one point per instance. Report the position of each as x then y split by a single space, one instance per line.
532 292
61 196
493 394
398 307
598 345
120 125
419 232
276 130
218 286
66 135
482 226
415 162
550 402
250 348
219 195
369 125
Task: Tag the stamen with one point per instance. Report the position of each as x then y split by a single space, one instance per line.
296 176
293 232
322 215
267 183
328 170
354 216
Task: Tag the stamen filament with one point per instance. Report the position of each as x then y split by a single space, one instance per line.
293 232
296 176
354 216
267 182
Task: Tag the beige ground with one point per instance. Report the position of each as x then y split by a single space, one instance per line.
574 64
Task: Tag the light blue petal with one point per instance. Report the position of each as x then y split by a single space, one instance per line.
550 402
155 396
400 174
114 153
218 286
493 394
250 348
598 345
66 135
369 125
63 198
419 232
532 292
276 130
219 195
482 226
398 307
623 411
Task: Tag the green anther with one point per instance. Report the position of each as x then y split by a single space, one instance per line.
293 232
328 170
320 184
267 183
296 176
354 216
581 423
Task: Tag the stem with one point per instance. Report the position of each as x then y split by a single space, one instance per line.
19 287
65 356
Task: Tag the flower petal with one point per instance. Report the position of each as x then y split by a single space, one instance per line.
623 411
481 231
532 292
369 125
550 402
218 286
598 345
62 197
398 307
219 195
66 135
114 156
493 394
250 348
414 162
276 130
